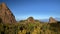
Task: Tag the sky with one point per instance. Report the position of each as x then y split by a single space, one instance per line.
39 9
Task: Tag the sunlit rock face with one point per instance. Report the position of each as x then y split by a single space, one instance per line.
6 15
52 20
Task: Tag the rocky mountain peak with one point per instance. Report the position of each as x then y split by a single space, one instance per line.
3 4
30 19
6 15
52 20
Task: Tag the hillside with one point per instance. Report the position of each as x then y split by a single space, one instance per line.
30 28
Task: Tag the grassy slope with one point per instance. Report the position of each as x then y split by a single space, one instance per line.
30 28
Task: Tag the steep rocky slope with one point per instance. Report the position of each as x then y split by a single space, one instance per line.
6 16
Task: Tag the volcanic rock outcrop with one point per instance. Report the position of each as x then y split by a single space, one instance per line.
6 16
52 20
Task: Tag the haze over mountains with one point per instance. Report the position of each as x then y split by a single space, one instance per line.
43 20
46 20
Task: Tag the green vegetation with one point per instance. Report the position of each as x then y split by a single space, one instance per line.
30 28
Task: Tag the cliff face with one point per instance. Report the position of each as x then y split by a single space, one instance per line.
6 16
52 20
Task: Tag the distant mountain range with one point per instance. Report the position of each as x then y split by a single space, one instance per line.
44 20
47 20
58 19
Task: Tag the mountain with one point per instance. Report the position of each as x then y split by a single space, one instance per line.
6 16
52 20
47 20
31 19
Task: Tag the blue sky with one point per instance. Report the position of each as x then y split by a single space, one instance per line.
39 9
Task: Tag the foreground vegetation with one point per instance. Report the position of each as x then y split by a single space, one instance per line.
30 28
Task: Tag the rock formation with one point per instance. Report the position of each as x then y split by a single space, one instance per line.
31 19
52 20
6 15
